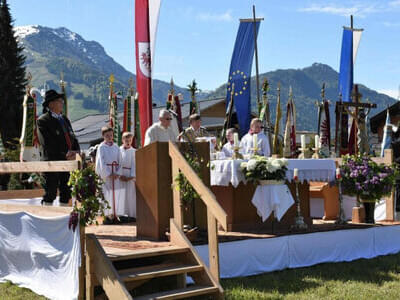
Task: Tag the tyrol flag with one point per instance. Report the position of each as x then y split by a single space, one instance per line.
240 73
146 20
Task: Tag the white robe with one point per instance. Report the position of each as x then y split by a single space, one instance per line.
158 133
227 149
128 188
105 156
262 144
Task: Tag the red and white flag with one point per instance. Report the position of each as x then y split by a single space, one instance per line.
146 20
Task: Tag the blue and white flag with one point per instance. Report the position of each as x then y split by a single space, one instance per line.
350 41
387 134
240 74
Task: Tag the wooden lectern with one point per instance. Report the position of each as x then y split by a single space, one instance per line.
154 189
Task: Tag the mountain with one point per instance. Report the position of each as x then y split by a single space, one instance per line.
306 84
86 67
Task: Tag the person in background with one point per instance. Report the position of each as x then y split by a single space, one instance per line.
227 149
262 141
128 176
108 167
59 143
194 130
160 131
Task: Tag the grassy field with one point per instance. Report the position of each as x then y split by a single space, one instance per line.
377 278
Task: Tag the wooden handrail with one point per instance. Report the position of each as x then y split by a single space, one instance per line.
204 192
39 166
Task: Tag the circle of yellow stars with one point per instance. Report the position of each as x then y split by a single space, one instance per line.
240 78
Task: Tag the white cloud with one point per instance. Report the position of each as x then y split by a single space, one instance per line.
360 10
394 3
222 17
391 24
389 92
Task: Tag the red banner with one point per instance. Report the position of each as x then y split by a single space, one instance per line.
143 64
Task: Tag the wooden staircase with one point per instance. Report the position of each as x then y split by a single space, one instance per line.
161 273
122 276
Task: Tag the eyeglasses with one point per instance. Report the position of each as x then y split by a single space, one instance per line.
168 119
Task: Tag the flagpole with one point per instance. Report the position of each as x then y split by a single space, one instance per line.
256 56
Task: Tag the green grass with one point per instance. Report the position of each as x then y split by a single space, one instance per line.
377 278
8 291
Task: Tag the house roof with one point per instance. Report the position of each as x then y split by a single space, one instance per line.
380 117
88 128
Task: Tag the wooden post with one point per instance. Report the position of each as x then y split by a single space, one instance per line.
90 276
213 254
176 196
82 268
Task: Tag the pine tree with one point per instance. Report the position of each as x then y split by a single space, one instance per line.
12 78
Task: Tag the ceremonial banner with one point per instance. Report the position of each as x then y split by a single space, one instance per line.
145 16
289 148
324 129
387 134
346 65
240 74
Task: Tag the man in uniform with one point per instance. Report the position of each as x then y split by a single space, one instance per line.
194 130
59 143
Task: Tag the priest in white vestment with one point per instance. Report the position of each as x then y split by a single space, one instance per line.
127 204
247 142
162 130
227 149
108 167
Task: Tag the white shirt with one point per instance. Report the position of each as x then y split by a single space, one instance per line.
228 149
262 144
158 133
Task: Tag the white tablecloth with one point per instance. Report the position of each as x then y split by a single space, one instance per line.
228 171
272 197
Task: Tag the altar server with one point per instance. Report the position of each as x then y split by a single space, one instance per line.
108 167
128 176
255 136
227 149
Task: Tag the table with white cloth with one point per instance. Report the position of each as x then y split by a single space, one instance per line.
235 195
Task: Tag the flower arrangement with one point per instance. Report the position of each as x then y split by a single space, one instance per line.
264 168
363 177
87 189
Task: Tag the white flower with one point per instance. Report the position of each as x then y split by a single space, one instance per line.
252 164
276 163
283 162
243 165
271 168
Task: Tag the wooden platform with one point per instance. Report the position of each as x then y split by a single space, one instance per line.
121 240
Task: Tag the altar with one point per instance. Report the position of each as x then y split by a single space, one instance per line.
235 194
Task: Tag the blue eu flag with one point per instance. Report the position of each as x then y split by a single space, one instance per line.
240 74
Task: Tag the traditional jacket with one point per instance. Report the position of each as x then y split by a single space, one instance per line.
190 135
56 136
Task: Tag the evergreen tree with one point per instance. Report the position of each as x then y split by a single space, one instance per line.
12 78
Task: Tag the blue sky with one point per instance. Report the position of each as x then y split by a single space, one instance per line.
196 37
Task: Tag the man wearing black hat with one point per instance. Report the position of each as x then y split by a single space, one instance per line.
59 143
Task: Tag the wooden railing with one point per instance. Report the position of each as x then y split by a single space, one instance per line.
39 167
214 211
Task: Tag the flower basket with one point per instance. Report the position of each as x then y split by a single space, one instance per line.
265 170
367 180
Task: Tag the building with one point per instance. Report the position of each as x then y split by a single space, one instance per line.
87 129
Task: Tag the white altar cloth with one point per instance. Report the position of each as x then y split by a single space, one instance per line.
40 253
272 197
228 171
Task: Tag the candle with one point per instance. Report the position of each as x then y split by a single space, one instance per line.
338 176
303 141
317 141
295 174
236 139
255 140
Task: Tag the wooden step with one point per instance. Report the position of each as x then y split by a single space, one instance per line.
159 270
133 254
180 293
